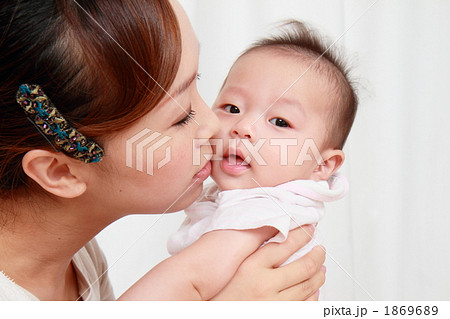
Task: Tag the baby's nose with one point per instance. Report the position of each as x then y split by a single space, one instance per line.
242 133
243 130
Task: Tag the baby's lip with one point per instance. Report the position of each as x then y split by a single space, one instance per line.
237 153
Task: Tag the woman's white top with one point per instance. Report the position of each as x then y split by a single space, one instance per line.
91 270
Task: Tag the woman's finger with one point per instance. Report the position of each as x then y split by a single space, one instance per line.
302 269
275 254
305 290
314 297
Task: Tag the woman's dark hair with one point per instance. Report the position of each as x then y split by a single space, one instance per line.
92 58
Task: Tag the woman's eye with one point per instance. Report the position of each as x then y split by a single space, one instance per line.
187 119
231 108
279 122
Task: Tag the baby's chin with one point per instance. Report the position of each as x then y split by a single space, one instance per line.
226 183
227 187
247 180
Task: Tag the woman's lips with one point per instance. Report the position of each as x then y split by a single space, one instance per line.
234 165
204 172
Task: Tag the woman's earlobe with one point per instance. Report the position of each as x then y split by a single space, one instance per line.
52 171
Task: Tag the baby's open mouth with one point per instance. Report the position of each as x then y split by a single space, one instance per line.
237 159
234 159
234 164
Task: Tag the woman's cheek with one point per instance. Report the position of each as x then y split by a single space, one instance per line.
177 156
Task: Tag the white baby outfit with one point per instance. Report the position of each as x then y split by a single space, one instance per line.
283 207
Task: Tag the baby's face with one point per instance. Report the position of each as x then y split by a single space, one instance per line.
273 102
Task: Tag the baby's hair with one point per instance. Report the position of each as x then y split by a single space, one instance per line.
299 38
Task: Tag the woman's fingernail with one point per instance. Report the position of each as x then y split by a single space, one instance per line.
324 269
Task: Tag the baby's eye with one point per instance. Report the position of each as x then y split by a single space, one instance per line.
231 108
279 122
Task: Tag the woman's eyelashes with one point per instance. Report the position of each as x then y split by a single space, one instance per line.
187 119
279 122
190 115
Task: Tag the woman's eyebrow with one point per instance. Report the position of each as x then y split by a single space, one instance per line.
183 87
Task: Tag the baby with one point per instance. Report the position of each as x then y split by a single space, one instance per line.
286 109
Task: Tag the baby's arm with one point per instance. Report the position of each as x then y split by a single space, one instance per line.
201 270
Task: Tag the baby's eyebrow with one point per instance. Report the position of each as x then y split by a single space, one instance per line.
235 90
294 104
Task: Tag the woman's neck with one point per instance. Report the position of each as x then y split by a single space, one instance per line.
36 251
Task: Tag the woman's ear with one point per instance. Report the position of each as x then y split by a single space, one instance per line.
332 160
54 173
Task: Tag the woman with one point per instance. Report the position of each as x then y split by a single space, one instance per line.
111 69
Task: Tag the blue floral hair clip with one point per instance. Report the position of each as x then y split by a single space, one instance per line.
54 127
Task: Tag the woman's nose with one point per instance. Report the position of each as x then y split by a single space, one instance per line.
210 124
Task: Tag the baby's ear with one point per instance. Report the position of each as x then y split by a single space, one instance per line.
55 172
332 160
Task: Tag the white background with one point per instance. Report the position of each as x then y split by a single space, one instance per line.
389 238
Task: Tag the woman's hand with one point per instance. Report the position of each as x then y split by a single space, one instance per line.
258 277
